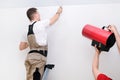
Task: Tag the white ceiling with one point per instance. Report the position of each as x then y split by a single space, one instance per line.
37 3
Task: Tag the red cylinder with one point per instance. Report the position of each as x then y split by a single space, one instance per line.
96 34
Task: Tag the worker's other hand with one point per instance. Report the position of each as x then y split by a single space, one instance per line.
96 50
59 10
112 28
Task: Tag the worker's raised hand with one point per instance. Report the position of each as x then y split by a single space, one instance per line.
112 28
59 11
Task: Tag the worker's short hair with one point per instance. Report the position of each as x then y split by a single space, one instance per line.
30 13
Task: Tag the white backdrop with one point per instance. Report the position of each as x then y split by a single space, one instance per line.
71 53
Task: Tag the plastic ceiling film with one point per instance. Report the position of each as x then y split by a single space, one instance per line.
38 3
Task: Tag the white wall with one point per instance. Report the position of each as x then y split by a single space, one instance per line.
68 49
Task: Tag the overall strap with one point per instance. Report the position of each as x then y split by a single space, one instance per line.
30 29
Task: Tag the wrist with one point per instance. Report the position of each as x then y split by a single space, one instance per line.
114 31
58 13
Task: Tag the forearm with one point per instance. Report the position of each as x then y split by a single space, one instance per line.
95 65
96 61
117 36
54 18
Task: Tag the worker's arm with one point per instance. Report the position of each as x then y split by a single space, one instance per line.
56 16
23 45
117 36
95 65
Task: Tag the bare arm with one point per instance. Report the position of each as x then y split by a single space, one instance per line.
95 65
23 45
56 16
117 36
